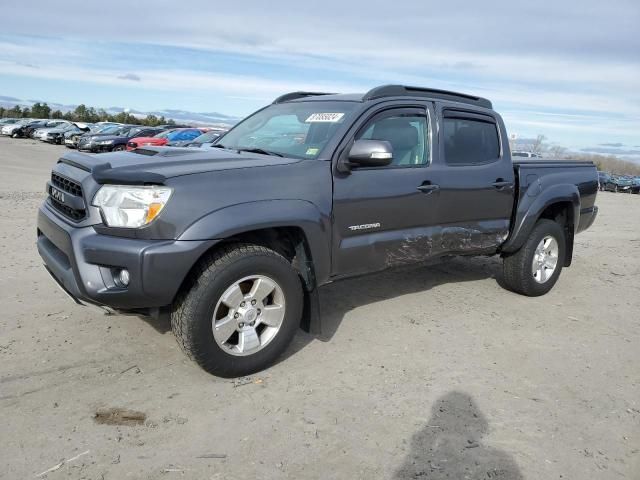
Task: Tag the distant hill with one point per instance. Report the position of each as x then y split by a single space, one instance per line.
179 116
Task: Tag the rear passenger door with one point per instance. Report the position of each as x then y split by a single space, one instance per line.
476 181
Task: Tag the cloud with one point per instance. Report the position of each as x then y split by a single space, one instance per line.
129 76
612 151
548 66
615 145
9 99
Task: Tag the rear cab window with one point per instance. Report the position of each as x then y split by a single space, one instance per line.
469 138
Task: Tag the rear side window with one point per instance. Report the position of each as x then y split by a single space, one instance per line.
469 141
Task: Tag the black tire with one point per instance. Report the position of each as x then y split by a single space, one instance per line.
517 267
119 148
193 309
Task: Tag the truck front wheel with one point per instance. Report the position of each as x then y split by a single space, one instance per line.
239 310
534 269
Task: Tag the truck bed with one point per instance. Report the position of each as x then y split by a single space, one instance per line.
539 180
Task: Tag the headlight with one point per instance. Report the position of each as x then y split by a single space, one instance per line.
130 206
104 142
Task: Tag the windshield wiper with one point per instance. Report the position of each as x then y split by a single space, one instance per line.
260 150
218 145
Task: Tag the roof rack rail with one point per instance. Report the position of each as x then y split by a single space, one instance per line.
405 91
294 95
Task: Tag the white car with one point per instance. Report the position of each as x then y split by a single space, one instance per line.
520 153
7 121
10 128
41 133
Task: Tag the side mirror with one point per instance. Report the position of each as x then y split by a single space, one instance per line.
370 153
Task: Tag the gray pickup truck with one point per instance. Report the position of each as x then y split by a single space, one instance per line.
233 242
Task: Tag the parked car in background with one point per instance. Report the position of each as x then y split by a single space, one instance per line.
520 153
618 184
71 138
118 141
204 140
166 137
6 121
40 133
25 130
12 127
101 141
56 135
635 185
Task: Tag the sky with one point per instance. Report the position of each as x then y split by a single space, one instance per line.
567 69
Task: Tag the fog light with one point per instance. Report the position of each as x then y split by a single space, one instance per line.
122 278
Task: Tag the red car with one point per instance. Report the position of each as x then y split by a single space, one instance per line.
174 136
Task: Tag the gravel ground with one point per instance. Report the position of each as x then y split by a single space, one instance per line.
431 372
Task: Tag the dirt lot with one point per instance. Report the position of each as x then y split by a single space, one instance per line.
433 372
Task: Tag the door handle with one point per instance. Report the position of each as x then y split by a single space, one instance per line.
501 184
428 188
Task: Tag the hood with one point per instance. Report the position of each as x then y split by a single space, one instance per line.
156 164
100 136
56 130
103 138
153 140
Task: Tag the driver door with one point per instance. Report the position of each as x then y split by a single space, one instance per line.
383 216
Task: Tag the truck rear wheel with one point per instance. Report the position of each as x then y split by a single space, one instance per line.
239 311
534 269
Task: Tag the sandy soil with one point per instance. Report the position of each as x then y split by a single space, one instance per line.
432 372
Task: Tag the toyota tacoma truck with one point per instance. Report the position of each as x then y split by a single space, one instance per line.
233 242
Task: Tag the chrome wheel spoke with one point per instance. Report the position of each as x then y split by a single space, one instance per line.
232 297
223 329
261 289
272 315
544 274
248 340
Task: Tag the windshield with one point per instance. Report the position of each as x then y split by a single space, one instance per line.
135 131
109 130
164 134
296 129
207 137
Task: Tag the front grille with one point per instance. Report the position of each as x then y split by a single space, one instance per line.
69 186
72 187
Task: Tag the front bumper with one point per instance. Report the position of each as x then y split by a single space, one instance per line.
83 263
94 148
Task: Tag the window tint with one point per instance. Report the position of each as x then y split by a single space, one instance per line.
468 141
407 134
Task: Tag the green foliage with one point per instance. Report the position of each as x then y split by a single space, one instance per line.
39 110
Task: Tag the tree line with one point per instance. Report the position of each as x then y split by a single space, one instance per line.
82 113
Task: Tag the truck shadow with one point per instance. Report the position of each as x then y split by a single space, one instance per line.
450 445
338 298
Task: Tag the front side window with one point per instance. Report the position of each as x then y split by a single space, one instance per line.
470 141
406 132
291 129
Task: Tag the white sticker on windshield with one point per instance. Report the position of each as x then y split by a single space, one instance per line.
325 117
